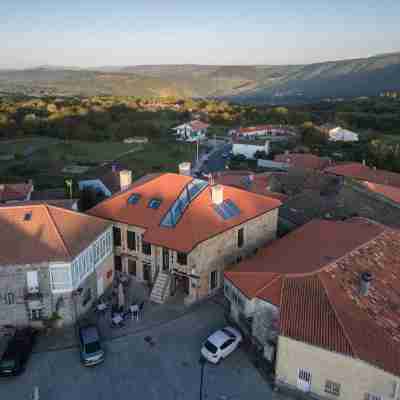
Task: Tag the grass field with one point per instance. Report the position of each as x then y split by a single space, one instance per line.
20 146
45 166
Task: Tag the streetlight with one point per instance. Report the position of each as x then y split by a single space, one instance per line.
202 362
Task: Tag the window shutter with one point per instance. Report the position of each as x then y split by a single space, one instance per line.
33 281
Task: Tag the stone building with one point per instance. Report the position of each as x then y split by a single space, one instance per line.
52 260
178 233
327 297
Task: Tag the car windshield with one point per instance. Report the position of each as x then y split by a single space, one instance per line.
7 363
228 333
92 347
210 347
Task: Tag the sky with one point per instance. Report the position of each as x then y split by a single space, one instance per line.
92 33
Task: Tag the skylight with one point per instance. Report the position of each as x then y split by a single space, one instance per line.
28 216
134 198
154 203
188 194
227 209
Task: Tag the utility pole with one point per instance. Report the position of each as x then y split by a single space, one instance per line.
197 150
202 362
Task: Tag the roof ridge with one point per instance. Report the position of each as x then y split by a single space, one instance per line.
278 276
46 207
337 317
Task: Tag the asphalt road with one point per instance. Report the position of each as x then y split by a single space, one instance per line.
134 369
216 162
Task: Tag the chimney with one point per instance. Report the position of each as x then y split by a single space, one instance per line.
185 168
125 179
364 163
365 282
217 194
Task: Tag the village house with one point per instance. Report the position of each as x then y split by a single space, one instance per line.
322 305
305 161
192 131
108 181
249 148
53 261
177 233
338 134
12 192
278 132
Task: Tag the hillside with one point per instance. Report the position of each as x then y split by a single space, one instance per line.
261 83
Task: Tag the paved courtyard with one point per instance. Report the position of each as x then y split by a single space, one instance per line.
168 369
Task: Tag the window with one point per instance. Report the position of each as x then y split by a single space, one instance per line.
32 281
371 396
117 263
182 258
240 237
304 380
213 280
131 239
9 298
134 198
132 267
87 297
36 314
332 388
117 236
154 203
227 344
146 247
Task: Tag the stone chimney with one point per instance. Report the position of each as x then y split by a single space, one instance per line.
185 168
217 194
125 178
365 282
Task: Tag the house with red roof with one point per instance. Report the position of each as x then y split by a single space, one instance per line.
52 260
265 131
304 161
12 192
192 131
322 303
177 233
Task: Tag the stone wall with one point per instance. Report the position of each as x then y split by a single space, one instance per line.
356 377
13 280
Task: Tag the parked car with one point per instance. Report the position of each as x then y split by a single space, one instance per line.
17 352
220 344
90 346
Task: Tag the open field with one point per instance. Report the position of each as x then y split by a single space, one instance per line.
45 165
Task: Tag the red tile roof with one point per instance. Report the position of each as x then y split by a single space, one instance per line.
240 179
318 288
300 160
51 233
362 172
279 129
197 125
15 191
199 221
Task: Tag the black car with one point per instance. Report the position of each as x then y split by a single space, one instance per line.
17 352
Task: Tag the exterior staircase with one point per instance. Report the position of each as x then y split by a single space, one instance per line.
161 288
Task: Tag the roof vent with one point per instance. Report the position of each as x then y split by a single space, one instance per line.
28 216
365 282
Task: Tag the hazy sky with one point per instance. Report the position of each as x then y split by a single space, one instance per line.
129 32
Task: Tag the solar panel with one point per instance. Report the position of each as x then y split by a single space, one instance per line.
134 198
228 209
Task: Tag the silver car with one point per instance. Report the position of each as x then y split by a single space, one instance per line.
91 350
220 344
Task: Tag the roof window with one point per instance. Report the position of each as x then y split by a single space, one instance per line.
28 216
154 203
134 198
227 209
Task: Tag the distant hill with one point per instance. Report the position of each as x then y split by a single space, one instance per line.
259 83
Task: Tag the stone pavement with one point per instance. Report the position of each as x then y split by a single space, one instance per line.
153 316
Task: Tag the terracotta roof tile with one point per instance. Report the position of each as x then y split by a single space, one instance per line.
50 234
364 173
320 299
199 221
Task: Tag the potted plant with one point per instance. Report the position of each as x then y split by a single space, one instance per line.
56 320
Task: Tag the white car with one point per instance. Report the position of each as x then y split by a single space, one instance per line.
220 344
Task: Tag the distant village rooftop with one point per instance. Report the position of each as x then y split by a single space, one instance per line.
15 191
305 161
